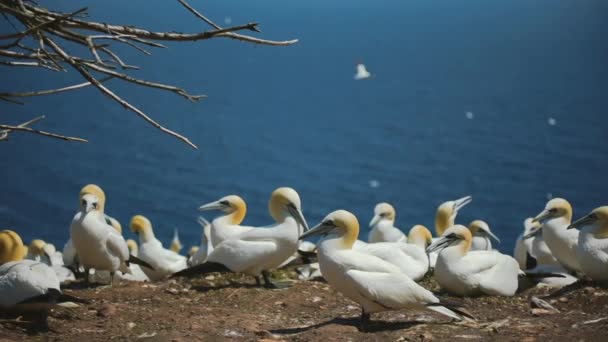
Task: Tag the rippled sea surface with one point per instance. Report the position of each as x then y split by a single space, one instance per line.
295 117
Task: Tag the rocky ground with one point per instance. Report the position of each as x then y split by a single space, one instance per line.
232 308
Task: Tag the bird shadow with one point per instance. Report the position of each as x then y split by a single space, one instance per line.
81 285
370 327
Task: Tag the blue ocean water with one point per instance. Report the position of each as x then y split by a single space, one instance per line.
293 116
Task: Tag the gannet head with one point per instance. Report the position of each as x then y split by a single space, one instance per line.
555 208
92 198
446 213
192 251
481 227
141 226
456 235
598 217
232 205
176 245
419 235
340 223
11 247
132 245
383 211
285 202
531 228
36 247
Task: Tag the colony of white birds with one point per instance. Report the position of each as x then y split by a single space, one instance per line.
380 274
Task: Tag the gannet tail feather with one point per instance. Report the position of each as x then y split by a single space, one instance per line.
138 261
450 311
200 269
536 275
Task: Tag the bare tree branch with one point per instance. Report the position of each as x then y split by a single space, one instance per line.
52 91
6 129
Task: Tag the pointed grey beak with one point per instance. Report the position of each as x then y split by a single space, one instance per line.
583 221
542 217
492 235
202 221
374 220
297 214
461 202
322 228
533 232
441 243
212 206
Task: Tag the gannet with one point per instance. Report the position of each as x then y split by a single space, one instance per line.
410 258
69 256
98 244
533 250
592 249
137 274
362 72
192 251
463 272
227 225
562 242
383 229
481 236
256 251
446 214
164 261
175 245
205 247
45 253
25 281
370 281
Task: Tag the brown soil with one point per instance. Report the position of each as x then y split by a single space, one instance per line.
232 308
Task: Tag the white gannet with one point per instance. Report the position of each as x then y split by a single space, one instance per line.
227 225
370 281
25 281
175 245
137 274
69 256
410 258
481 236
45 253
202 251
555 219
362 72
98 244
258 250
532 251
164 261
592 250
383 225
463 272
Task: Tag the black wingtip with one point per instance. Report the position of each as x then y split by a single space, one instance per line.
135 260
200 269
537 275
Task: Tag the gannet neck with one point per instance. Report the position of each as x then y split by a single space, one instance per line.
279 200
444 218
143 227
420 236
239 210
11 247
133 247
36 247
92 189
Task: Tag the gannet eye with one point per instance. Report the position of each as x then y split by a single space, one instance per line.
224 202
553 210
94 205
329 223
593 216
84 202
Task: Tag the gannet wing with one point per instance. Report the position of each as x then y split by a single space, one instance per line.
117 245
239 255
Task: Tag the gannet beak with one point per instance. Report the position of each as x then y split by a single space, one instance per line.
492 236
202 221
217 205
374 220
441 243
297 214
532 232
583 221
321 229
543 216
461 202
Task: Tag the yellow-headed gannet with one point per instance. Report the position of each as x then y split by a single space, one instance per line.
447 212
25 281
200 254
175 245
227 225
463 272
410 258
45 253
481 236
592 250
383 225
97 243
164 261
555 219
368 280
256 251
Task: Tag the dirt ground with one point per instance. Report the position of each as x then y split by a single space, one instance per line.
220 307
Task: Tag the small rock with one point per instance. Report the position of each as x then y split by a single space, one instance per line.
172 291
426 336
279 303
528 339
232 333
210 277
316 299
106 310
563 300
146 335
195 326
130 325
